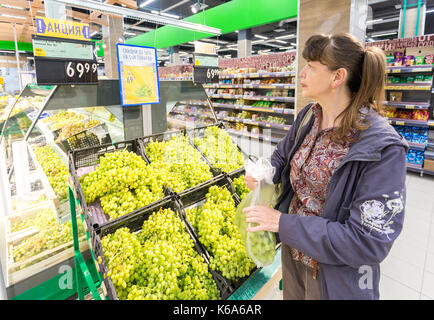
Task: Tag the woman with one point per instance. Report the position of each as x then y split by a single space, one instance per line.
342 177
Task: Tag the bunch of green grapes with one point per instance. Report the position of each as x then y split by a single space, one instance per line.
181 165
240 187
123 182
220 150
214 224
55 170
62 118
159 262
51 234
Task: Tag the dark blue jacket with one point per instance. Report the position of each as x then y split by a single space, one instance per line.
363 214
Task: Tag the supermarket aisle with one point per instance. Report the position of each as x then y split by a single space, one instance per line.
408 271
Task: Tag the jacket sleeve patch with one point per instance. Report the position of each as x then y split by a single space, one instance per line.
378 215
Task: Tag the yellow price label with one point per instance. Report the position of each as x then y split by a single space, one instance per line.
410 107
396 70
400 123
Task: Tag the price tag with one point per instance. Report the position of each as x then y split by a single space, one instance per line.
396 70
409 107
66 72
205 74
272 99
267 125
400 123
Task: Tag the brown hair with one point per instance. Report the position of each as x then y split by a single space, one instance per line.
366 70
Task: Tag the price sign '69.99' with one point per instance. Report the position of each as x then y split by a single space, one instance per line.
81 71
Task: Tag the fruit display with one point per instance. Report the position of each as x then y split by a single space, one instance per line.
240 187
179 164
157 263
51 234
53 167
214 225
219 149
75 127
123 182
61 119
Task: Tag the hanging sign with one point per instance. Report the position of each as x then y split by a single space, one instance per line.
205 74
138 74
50 27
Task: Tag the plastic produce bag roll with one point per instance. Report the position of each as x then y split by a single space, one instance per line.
260 245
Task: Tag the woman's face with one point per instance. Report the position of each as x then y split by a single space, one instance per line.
316 80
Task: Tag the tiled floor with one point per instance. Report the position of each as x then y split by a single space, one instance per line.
408 271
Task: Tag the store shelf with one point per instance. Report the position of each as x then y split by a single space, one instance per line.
408 105
177 79
431 123
262 124
406 122
416 146
410 69
251 108
408 86
429 155
254 136
258 98
250 86
194 103
259 75
419 169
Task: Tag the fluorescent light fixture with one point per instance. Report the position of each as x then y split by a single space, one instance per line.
174 16
11 16
236 31
130 33
232 45
154 12
430 11
373 21
285 48
144 4
268 50
257 41
279 30
261 37
280 41
93 33
160 50
383 34
12 7
138 15
287 36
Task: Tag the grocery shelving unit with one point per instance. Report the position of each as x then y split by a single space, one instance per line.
415 96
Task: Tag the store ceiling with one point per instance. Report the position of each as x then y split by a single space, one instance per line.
383 16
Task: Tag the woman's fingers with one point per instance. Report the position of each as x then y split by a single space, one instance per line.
255 229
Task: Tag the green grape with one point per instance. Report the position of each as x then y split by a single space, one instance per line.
123 182
51 234
57 173
181 165
240 187
220 150
214 224
158 262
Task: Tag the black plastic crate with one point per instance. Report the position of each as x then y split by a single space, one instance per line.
134 224
94 136
160 137
84 161
197 196
199 132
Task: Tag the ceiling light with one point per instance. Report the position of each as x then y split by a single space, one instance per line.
280 41
257 41
261 37
284 48
236 31
130 33
93 33
11 16
373 21
160 50
287 36
279 30
144 4
383 34
429 11
198 6
232 45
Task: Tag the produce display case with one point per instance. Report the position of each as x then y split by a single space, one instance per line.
37 175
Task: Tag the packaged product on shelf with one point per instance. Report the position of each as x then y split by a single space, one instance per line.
395 96
411 156
404 114
429 59
419 78
410 79
428 79
389 59
409 60
420 114
389 80
419 60
419 158
396 79
397 62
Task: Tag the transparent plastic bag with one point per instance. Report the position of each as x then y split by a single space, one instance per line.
260 245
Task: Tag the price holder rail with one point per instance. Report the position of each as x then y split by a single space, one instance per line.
64 61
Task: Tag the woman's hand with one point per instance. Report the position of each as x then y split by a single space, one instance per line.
250 182
268 218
